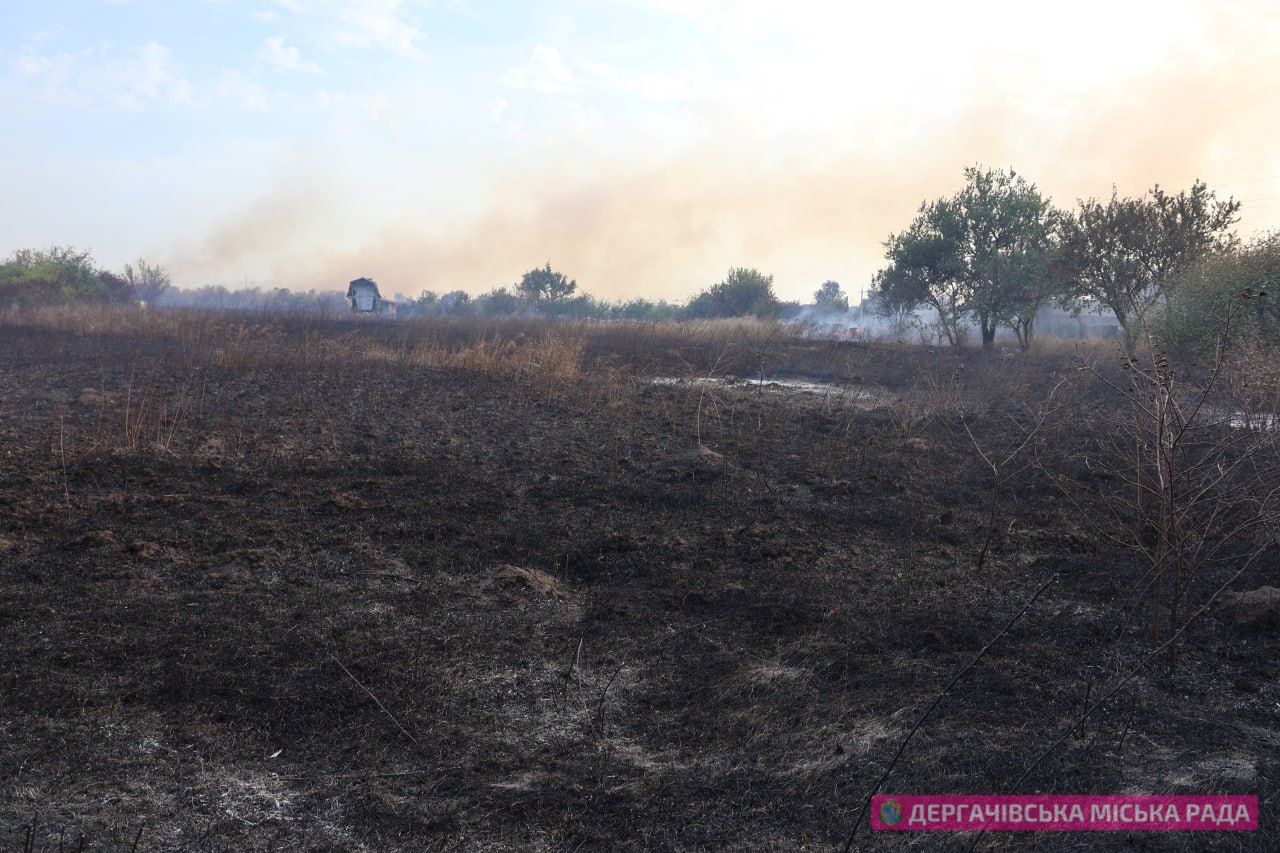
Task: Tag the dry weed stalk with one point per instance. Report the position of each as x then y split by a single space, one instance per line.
999 465
151 419
928 396
554 358
62 453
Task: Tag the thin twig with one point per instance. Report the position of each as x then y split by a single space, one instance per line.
1124 680
62 451
386 774
866 803
375 699
998 467
603 695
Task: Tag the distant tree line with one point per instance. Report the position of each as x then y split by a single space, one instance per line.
220 297
989 257
67 276
507 302
545 292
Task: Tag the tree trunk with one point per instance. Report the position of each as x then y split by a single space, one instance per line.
1024 329
987 324
1129 335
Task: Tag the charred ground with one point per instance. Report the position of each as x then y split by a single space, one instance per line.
268 583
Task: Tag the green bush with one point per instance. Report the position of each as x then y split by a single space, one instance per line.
1242 286
59 275
743 293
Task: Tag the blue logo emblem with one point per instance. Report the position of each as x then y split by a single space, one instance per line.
890 812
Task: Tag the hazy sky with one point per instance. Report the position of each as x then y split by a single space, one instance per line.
641 146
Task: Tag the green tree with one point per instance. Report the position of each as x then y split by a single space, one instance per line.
499 302
148 281
636 309
1009 252
894 298
979 253
925 265
425 304
456 303
644 309
1035 284
743 293
545 285
1124 256
831 298
580 307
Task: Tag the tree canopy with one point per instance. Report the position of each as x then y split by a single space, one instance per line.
149 281
831 297
543 284
982 253
1125 255
895 296
744 292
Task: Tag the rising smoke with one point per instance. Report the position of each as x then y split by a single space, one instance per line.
669 229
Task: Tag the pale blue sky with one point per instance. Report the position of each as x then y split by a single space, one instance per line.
642 146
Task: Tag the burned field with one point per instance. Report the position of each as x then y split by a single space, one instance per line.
292 585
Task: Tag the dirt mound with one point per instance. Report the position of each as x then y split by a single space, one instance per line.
1256 608
519 582
699 465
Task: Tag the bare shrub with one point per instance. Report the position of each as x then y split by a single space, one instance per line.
1182 478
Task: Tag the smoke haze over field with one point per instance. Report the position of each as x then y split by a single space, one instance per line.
643 148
